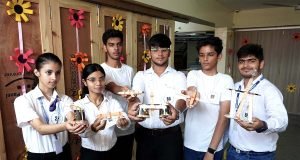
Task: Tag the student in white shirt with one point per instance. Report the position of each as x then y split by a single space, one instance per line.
41 113
205 123
256 140
119 74
159 138
99 107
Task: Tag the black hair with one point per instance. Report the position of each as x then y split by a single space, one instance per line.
87 70
160 40
251 50
43 59
215 42
111 33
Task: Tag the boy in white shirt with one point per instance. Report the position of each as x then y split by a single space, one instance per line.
256 140
205 123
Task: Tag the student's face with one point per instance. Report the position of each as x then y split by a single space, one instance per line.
48 75
208 58
160 56
113 48
95 82
247 65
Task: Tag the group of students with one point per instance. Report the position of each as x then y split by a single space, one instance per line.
46 116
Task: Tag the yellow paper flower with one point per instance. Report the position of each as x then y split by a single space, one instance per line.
146 57
117 22
291 88
20 9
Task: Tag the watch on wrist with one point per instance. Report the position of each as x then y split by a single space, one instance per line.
211 150
263 128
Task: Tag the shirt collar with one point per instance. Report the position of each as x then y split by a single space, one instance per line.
37 93
86 100
151 71
256 79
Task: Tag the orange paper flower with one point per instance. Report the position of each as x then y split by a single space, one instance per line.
78 59
146 28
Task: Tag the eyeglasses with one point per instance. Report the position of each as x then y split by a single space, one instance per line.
162 50
93 80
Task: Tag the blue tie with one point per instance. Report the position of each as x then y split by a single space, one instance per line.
53 105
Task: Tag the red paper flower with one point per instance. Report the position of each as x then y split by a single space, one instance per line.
22 60
245 41
78 59
76 18
122 58
296 36
146 28
230 51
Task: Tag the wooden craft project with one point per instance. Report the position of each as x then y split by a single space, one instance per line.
131 93
79 113
111 116
243 107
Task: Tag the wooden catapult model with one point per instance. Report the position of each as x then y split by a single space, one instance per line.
131 93
145 109
110 116
245 108
79 113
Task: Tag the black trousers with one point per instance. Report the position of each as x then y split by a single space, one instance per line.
159 144
88 154
123 148
65 155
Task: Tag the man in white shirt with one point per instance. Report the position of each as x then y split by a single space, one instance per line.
205 123
118 74
255 140
159 138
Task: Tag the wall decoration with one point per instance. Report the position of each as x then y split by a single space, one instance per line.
76 18
296 36
229 51
291 88
146 56
117 22
20 9
145 30
22 60
245 41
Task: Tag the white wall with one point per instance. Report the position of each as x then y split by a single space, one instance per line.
281 16
208 10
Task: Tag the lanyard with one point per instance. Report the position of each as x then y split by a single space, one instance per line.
45 116
240 87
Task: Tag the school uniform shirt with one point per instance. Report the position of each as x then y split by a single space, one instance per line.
268 107
123 77
201 120
156 90
29 107
105 139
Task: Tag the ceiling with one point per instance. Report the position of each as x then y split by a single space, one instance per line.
237 5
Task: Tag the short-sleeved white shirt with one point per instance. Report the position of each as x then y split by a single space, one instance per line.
105 139
267 107
168 84
201 120
123 77
29 107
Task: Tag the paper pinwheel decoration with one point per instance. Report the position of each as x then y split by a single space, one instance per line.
22 60
78 59
245 41
296 36
117 22
291 88
146 28
76 18
20 9
146 57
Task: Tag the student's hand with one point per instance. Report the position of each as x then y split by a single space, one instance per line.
193 96
99 124
172 117
256 123
122 122
75 127
208 156
133 111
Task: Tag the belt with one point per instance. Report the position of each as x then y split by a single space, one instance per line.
248 152
158 131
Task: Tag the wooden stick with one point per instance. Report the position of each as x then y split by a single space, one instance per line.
244 92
